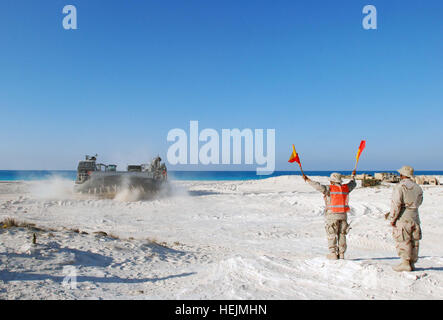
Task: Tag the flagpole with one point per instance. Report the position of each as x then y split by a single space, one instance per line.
355 168
301 169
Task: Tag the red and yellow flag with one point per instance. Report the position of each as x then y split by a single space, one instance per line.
360 149
294 156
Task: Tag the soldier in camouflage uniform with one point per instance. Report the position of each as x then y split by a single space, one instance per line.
406 198
336 224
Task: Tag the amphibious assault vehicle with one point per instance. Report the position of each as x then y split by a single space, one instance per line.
104 180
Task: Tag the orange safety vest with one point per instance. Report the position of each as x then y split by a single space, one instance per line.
339 198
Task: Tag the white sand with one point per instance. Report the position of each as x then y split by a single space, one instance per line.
224 240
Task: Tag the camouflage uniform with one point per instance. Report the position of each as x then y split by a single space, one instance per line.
406 198
336 224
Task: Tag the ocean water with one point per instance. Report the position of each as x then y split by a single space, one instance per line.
28 175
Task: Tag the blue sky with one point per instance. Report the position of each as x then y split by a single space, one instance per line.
136 69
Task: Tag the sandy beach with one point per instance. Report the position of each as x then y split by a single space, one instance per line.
256 239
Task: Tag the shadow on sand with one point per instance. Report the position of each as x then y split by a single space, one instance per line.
63 256
199 193
53 249
429 269
7 276
382 258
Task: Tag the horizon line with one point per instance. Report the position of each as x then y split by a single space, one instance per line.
322 170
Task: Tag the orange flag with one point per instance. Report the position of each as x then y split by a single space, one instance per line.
294 156
360 149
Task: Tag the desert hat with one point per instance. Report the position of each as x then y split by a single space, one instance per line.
335 177
406 171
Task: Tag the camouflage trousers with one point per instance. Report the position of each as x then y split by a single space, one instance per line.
407 235
336 231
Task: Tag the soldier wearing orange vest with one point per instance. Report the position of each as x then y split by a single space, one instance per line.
336 196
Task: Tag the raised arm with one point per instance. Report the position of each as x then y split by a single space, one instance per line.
316 185
352 184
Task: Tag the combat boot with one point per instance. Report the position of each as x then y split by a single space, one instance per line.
332 256
341 256
412 264
403 266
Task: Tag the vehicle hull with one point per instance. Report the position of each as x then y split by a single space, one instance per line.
108 184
